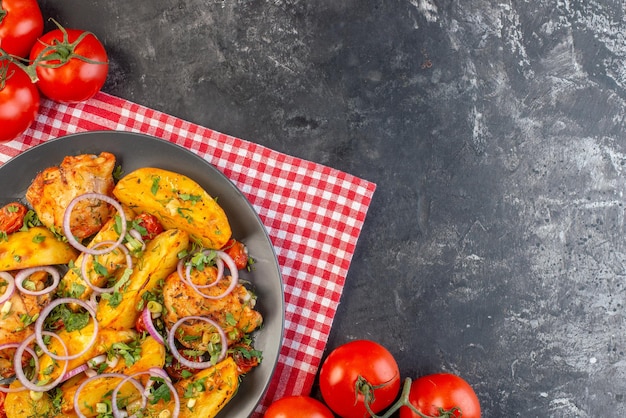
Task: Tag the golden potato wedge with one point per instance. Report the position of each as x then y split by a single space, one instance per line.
220 385
152 355
112 261
178 201
203 395
159 260
76 341
21 405
93 393
36 247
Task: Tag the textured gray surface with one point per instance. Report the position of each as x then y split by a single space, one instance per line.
494 247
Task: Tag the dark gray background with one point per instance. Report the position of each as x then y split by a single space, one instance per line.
494 247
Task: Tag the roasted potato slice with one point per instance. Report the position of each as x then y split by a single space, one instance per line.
76 341
21 405
112 261
152 355
204 394
159 260
178 201
37 246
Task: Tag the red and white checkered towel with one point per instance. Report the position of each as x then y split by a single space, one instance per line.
312 213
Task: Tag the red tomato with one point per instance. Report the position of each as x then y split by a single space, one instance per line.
429 394
237 251
298 407
12 217
151 224
60 57
21 23
353 368
3 413
19 101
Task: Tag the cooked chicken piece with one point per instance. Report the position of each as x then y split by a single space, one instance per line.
234 312
17 318
55 187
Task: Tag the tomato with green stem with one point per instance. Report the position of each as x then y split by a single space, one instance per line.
441 395
358 373
71 65
21 23
298 407
19 100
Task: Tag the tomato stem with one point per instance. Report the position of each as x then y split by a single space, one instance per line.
404 401
60 52
6 59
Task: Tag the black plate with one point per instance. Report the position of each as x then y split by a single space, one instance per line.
135 151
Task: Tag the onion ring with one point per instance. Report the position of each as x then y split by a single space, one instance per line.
222 258
33 356
153 371
19 371
24 274
46 311
8 292
171 340
147 320
68 232
122 376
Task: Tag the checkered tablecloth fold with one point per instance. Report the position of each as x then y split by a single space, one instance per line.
313 214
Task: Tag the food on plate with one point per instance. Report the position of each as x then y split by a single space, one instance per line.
12 217
71 64
178 202
136 315
37 246
19 100
159 260
232 309
53 189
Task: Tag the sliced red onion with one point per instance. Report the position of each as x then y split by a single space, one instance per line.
26 273
83 266
152 372
147 320
78 370
68 232
33 356
121 376
222 258
19 370
171 340
44 314
10 289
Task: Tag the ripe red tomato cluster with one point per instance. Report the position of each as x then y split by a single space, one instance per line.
65 65
361 378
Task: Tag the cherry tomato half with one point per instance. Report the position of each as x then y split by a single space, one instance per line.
298 407
3 413
237 251
151 224
12 217
21 23
352 369
71 65
19 101
443 391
